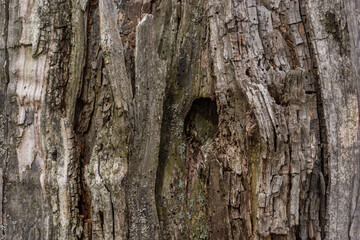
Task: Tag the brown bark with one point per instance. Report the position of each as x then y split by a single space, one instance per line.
174 119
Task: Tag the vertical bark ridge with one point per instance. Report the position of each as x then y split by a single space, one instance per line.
60 152
352 12
322 124
330 37
4 112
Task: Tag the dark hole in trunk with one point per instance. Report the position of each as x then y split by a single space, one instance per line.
201 122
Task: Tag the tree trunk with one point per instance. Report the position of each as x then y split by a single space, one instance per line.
178 119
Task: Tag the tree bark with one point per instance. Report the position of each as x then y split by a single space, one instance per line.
177 119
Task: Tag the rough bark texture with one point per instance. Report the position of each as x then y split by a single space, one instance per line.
178 119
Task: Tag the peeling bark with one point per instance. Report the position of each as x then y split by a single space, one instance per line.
174 119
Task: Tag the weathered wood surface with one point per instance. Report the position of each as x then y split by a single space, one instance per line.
176 119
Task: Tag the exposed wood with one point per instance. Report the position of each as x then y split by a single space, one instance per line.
175 119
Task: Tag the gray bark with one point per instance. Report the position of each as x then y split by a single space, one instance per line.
176 119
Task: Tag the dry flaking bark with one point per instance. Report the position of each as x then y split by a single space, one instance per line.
175 119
